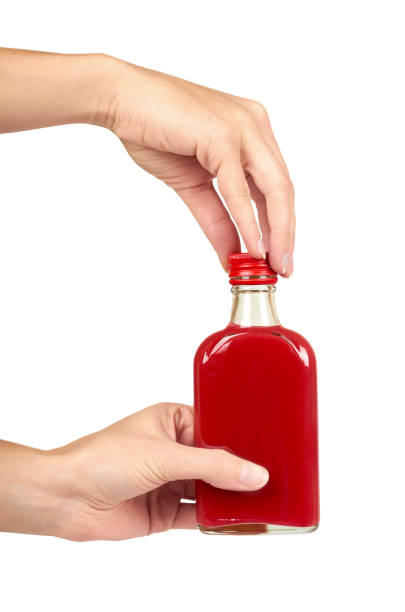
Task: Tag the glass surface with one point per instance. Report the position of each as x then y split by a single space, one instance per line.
254 305
255 529
256 396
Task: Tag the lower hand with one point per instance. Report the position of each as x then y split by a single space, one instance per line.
125 481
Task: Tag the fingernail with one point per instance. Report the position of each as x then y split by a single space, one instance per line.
284 263
253 476
260 246
291 264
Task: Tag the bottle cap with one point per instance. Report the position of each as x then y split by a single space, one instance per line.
246 270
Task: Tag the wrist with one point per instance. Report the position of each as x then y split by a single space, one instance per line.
107 76
90 87
34 492
101 85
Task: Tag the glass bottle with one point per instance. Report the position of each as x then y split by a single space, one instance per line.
256 396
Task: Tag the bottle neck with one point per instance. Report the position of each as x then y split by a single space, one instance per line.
254 305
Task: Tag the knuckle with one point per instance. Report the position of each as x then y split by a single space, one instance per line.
227 133
246 223
257 109
218 458
214 228
241 115
236 194
158 467
163 406
243 216
283 186
239 196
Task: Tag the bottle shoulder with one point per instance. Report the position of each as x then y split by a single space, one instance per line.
277 336
211 341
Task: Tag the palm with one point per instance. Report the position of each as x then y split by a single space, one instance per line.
143 515
193 183
177 171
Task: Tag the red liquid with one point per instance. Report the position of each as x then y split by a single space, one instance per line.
256 396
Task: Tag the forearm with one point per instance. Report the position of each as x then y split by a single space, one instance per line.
32 498
44 89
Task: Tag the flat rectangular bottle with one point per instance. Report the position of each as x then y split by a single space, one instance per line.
256 396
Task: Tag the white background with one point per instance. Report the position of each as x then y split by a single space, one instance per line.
107 286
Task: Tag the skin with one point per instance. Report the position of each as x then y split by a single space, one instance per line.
128 480
182 133
125 481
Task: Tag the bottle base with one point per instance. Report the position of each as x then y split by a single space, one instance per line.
255 529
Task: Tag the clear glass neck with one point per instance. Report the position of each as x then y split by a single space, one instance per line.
254 305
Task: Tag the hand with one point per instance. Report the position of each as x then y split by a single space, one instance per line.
125 481
183 133
186 135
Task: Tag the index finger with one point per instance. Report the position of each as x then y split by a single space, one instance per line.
236 193
272 180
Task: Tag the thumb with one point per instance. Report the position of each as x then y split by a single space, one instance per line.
215 466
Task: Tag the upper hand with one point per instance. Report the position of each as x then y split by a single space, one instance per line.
186 135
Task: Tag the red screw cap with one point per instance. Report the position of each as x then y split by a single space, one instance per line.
246 270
